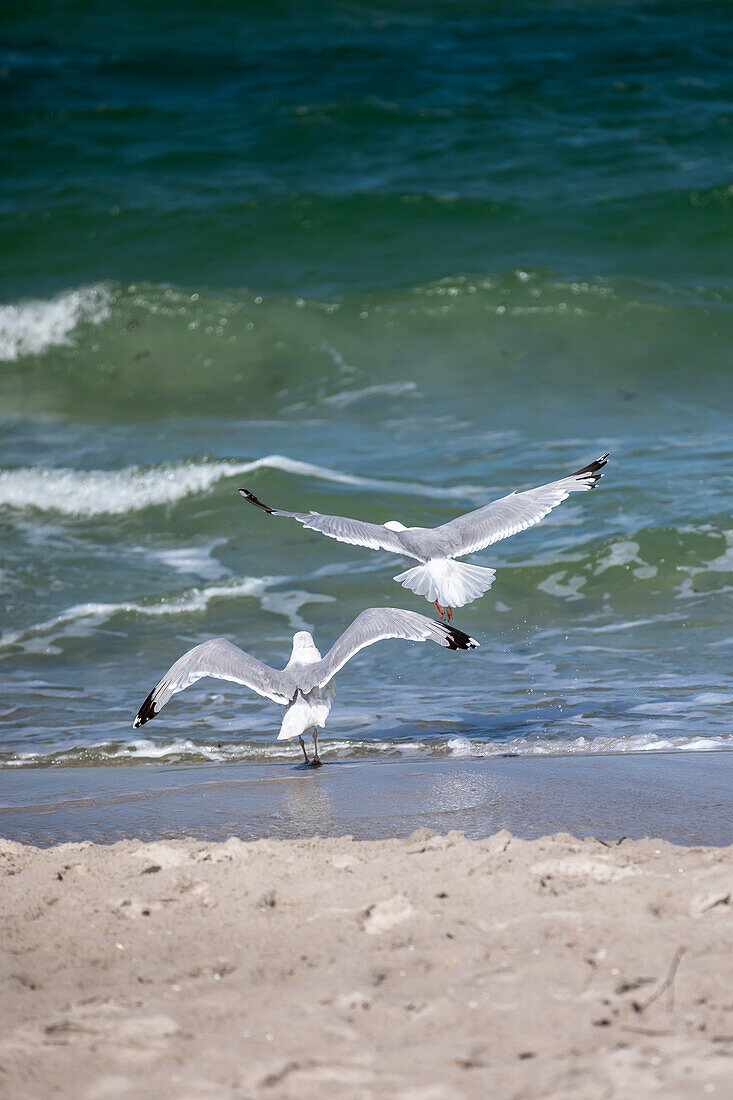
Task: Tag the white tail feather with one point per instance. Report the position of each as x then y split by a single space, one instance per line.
306 711
451 583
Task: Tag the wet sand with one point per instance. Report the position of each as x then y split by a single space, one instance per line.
684 797
425 968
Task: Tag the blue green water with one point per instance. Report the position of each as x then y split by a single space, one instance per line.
386 260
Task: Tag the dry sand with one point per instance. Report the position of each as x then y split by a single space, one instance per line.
426 968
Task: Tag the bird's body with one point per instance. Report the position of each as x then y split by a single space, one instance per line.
307 710
444 582
305 686
430 553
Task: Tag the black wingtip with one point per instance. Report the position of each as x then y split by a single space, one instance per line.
458 639
146 712
253 500
591 471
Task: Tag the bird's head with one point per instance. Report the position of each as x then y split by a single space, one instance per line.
394 525
305 650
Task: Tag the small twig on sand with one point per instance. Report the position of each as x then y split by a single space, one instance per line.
668 982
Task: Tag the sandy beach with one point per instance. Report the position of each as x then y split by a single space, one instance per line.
419 968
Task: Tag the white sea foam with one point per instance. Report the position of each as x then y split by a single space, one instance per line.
461 748
683 706
289 604
132 489
624 554
616 628
569 590
143 750
80 619
646 742
724 563
33 326
196 560
386 389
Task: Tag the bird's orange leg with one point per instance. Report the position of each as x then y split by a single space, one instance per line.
449 613
439 609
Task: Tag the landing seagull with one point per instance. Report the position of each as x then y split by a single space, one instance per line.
305 685
430 551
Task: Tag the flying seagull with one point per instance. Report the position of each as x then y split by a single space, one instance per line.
430 551
305 685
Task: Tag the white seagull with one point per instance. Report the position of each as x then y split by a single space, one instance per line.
305 685
430 551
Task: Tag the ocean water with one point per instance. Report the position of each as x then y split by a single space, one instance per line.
386 260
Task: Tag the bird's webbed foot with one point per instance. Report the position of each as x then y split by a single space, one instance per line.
439 609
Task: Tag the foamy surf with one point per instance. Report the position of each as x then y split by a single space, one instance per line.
132 489
467 748
34 326
187 750
83 618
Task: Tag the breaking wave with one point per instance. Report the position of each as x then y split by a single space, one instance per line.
189 751
132 489
83 617
34 326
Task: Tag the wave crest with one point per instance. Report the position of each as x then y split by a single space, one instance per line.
84 617
34 326
184 750
132 489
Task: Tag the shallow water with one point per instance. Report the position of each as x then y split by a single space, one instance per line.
383 262
684 798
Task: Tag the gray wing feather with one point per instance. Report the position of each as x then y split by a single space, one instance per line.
374 625
224 661
512 513
353 531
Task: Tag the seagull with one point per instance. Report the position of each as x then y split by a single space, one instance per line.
305 686
430 551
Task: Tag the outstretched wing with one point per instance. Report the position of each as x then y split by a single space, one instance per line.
224 661
374 625
354 531
513 513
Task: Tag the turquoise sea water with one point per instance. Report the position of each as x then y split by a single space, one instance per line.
383 260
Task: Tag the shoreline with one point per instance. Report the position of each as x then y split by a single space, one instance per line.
424 968
685 798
